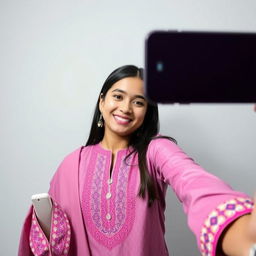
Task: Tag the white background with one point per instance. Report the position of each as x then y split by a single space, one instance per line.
54 57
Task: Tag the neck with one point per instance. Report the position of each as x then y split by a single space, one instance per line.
114 143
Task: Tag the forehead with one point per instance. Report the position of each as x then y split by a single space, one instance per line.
130 85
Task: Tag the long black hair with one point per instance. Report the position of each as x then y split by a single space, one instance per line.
140 138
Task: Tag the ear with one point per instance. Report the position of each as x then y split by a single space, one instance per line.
101 102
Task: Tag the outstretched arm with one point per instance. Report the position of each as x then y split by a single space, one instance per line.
210 204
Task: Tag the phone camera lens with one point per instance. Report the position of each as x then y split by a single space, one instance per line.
159 66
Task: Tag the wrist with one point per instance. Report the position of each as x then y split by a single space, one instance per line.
236 240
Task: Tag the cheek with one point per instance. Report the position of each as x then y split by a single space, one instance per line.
112 104
108 106
141 115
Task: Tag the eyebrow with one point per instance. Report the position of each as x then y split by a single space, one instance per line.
136 96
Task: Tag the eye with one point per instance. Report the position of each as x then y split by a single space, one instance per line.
117 96
139 103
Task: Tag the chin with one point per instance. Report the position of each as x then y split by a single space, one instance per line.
123 133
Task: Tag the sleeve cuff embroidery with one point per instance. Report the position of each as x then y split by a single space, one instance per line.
218 219
59 238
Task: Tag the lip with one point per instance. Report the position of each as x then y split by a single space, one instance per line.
122 119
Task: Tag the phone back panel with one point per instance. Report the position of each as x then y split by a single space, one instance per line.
187 67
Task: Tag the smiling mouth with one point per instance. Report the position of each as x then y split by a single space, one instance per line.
122 120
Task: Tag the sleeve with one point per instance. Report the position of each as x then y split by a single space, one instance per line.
209 203
59 241
24 249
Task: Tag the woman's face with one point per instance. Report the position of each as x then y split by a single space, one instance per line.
124 107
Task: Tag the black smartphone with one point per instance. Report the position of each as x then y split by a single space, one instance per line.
200 67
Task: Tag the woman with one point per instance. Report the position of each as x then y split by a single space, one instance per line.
109 196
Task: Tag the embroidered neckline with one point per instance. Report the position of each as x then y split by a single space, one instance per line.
109 207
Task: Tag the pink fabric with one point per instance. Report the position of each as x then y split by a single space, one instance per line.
218 220
133 229
59 238
24 247
39 244
102 200
63 190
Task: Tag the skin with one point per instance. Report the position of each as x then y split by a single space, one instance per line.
123 110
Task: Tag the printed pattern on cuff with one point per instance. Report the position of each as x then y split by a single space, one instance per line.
38 242
59 238
218 219
60 232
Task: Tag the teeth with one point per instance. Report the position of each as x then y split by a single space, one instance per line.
122 119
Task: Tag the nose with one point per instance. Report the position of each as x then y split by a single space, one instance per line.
125 107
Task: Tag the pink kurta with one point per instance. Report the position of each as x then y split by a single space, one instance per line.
100 214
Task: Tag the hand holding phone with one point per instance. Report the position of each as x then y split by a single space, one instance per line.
43 207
